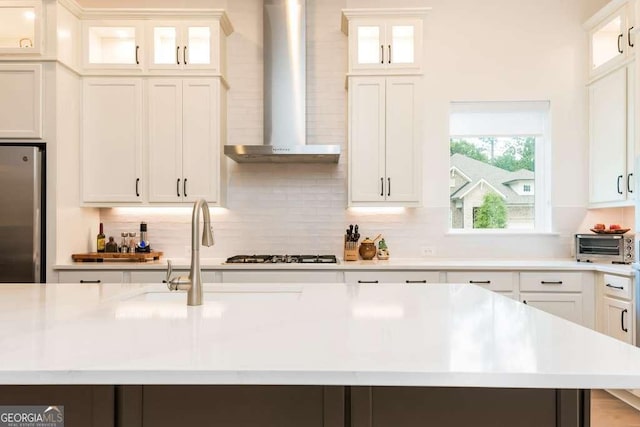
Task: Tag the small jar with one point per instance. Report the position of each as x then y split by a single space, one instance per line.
111 245
132 243
124 244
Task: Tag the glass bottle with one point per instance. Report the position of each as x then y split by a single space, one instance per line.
100 240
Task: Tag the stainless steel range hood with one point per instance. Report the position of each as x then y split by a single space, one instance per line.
284 92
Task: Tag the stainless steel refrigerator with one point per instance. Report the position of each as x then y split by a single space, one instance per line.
22 212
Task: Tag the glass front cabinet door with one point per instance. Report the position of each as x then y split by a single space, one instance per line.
113 45
186 45
383 43
611 40
20 27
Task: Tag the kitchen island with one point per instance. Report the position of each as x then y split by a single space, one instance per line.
301 354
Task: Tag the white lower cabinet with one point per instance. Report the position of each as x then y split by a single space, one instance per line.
499 281
280 277
406 277
566 294
618 319
616 307
567 306
90 277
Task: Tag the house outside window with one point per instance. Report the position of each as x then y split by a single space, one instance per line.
497 164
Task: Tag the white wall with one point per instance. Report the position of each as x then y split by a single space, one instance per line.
475 51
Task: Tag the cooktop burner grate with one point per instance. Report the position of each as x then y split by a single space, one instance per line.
282 259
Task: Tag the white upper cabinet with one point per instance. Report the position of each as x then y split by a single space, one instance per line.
113 44
186 45
611 40
612 141
184 140
146 41
384 141
112 140
20 27
20 100
384 40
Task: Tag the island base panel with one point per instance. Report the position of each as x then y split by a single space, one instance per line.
309 406
84 405
458 407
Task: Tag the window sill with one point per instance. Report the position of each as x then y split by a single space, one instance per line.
476 232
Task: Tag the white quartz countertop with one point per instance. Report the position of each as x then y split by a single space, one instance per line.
391 264
335 334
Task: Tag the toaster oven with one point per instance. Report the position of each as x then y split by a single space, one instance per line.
609 248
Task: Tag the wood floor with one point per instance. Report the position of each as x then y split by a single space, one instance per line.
608 411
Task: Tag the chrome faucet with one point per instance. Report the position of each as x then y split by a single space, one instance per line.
193 283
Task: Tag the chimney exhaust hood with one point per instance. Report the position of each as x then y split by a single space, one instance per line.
284 92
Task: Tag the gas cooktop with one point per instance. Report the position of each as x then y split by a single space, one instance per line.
282 259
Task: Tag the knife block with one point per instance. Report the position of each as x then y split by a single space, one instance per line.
350 250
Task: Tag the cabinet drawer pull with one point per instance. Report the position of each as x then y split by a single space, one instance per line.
382 54
389 189
137 59
525 302
389 54
382 186
543 282
184 55
480 282
178 187
629 37
618 183
178 55
629 190
184 187
622 320
609 285
137 187
415 281
619 47
90 281
367 281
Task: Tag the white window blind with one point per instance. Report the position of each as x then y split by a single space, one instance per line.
520 118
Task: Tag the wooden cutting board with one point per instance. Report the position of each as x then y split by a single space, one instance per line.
116 256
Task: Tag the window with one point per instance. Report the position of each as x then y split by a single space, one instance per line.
497 158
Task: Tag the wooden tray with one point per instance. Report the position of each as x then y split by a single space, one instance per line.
116 256
618 231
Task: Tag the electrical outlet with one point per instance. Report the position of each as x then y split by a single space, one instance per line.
428 251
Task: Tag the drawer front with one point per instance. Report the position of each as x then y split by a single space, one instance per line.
617 286
401 277
551 282
279 277
492 280
90 277
568 306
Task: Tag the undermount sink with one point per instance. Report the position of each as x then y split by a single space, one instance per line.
220 295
